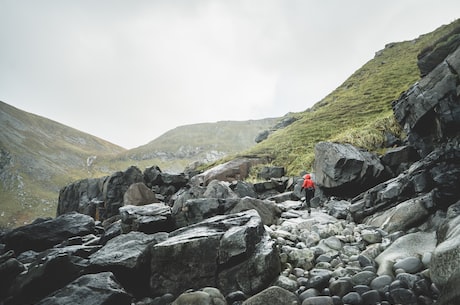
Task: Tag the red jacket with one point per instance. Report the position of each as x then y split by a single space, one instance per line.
308 182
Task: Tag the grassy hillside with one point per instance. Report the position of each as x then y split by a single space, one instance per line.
357 112
204 142
37 157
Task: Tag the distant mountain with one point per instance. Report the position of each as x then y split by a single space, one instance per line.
203 142
37 157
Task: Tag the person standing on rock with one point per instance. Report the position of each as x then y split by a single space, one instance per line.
309 187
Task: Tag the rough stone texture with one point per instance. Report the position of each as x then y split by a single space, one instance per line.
45 233
91 289
405 215
446 257
268 172
83 196
235 253
127 257
150 218
206 296
115 187
398 159
432 56
430 110
46 274
139 194
273 296
414 244
436 176
237 169
344 170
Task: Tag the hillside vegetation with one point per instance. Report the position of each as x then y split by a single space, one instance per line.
183 145
37 157
357 112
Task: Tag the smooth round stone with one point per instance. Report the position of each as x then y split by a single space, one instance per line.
319 278
298 272
320 300
341 287
396 284
324 258
350 250
410 264
371 297
286 283
381 282
426 259
337 300
333 243
403 296
236 296
363 278
371 236
361 288
352 298
323 265
365 261
309 293
408 279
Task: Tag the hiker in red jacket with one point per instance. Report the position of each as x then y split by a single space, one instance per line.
309 187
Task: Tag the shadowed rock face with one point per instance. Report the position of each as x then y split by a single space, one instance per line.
344 169
235 253
430 110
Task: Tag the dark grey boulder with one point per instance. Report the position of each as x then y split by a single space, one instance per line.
83 196
273 296
45 233
91 289
49 272
234 253
429 111
398 159
344 170
115 187
127 257
432 56
150 218
139 194
243 189
268 172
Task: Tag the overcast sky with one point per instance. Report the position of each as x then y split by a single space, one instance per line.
128 71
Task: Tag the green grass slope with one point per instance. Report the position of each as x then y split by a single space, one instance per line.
357 112
183 145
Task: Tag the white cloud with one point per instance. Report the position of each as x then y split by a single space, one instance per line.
128 71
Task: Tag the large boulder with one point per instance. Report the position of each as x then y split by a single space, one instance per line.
431 181
139 194
446 257
83 196
127 257
235 253
236 169
429 111
150 218
115 187
90 289
344 170
45 233
46 274
433 55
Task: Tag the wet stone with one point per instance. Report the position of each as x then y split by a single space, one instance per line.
409 264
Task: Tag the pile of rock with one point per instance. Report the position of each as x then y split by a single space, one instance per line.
383 230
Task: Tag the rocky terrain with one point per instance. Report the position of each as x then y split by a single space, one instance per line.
383 230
